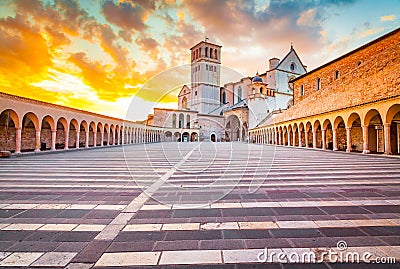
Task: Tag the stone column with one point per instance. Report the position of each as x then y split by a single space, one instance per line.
114 137
280 138
18 136
334 137
365 139
348 136
87 139
95 138
53 139
77 139
289 139
386 131
101 139
37 141
300 142
323 138
314 138
294 138
306 137
66 139
123 138
108 138
118 137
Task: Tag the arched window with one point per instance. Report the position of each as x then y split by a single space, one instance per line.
188 121
184 102
211 53
181 120
292 67
223 97
240 94
173 120
261 90
206 51
215 54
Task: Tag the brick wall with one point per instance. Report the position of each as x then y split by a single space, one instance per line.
371 73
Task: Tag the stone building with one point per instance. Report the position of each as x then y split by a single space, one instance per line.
351 103
226 113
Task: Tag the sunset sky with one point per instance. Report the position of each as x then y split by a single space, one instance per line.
97 55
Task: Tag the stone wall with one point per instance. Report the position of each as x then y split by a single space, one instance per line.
367 74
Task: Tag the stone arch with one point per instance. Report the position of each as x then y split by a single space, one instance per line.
73 136
92 134
290 135
354 133
62 133
46 133
327 135
317 134
296 131
30 132
9 123
188 121
194 137
339 127
302 138
177 136
232 128
392 121
99 134
83 134
181 121
168 136
373 132
184 102
106 131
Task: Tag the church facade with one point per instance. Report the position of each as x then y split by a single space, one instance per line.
208 111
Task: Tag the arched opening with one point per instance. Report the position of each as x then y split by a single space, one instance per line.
216 54
8 122
239 95
188 121
375 132
168 136
223 97
173 120
317 134
211 53
181 121
177 137
194 137
30 124
341 139
62 134
184 102
83 134
99 137
232 128
327 135
354 133
393 118
73 134
284 136
308 135
185 137
206 51
92 129
290 136
46 133
106 135
213 137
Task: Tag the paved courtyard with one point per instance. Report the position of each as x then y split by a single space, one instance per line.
214 205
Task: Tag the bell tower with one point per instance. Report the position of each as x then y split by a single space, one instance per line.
257 100
205 76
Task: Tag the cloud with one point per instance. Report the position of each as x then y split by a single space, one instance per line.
23 50
388 18
150 45
126 15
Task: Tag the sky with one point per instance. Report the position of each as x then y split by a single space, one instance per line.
101 55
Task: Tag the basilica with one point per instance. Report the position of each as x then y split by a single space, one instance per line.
210 112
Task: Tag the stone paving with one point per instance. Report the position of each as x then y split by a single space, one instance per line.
198 205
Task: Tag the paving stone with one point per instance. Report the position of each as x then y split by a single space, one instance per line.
132 246
58 227
92 252
22 227
21 258
177 245
128 259
191 257
54 259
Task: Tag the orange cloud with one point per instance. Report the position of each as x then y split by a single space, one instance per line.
388 18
